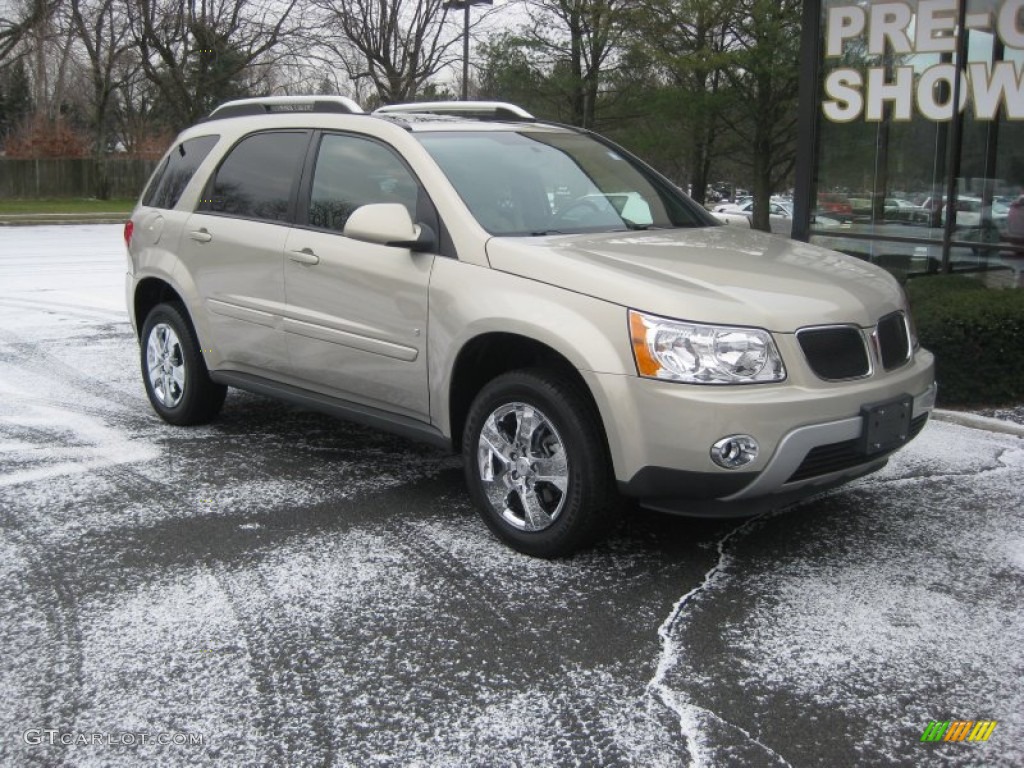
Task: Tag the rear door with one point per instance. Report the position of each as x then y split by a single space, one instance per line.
233 244
356 321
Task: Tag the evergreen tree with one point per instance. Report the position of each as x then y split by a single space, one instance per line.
19 93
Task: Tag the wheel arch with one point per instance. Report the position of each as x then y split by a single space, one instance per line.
484 357
150 292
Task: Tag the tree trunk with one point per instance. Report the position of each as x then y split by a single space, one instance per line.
577 97
762 182
698 169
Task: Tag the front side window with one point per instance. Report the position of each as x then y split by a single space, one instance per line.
176 171
536 182
352 171
255 180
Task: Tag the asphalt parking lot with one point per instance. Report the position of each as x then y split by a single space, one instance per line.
279 588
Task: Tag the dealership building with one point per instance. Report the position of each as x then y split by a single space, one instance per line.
915 111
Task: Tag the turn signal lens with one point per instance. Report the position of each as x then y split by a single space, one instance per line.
646 365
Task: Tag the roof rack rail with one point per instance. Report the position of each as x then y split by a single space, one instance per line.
485 110
265 105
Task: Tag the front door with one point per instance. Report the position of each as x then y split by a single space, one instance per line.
356 319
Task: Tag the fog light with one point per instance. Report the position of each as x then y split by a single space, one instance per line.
734 451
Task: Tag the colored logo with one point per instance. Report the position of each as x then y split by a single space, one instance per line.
958 730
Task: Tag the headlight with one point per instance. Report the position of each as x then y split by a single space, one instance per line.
703 354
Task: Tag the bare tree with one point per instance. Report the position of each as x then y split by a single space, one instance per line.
199 52
18 20
37 32
396 46
134 108
101 27
579 39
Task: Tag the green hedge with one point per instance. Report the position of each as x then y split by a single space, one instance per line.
977 336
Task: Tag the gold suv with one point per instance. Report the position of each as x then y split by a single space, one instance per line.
527 293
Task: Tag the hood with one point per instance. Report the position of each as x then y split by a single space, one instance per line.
711 274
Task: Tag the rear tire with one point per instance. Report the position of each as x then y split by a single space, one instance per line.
536 464
177 381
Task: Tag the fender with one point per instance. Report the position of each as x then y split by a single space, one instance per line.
468 301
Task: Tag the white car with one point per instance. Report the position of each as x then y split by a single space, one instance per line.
780 215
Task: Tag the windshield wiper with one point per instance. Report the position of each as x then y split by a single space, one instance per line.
630 224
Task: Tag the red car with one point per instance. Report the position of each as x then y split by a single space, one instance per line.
835 205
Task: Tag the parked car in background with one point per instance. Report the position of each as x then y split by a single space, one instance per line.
780 215
898 204
1015 221
733 219
971 212
732 205
835 205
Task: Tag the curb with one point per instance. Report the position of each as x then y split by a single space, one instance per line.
33 219
976 421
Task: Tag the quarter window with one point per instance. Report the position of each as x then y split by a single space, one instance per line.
353 171
255 180
176 171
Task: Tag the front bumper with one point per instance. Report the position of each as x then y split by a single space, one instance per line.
660 434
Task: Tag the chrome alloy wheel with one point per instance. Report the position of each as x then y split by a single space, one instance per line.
523 467
165 363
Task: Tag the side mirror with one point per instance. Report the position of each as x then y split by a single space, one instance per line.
389 224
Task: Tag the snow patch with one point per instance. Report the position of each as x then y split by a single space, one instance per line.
906 613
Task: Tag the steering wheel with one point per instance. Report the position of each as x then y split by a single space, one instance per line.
581 203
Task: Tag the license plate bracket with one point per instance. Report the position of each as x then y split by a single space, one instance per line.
886 425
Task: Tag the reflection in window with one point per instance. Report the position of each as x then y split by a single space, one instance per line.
176 171
255 181
533 182
352 172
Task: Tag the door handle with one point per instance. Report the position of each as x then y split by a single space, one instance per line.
305 256
200 236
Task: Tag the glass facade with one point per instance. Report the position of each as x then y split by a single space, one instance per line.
899 176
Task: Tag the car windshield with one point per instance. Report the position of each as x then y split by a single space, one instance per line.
546 182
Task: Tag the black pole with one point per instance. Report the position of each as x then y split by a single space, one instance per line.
988 192
807 126
465 52
956 130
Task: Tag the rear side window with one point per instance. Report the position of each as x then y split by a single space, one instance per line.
256 179
176 171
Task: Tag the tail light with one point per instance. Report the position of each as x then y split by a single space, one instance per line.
129 229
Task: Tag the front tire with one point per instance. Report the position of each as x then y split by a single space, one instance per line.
536 463
177 381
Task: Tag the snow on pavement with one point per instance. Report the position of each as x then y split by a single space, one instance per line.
305 592
865 627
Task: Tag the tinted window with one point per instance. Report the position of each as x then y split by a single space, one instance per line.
255 180
352 171
176 171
